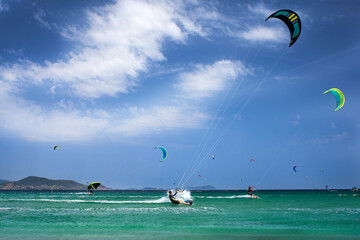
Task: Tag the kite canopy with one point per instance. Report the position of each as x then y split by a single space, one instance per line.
56 146
163 151
294 168
93 185
213 157
292 21
339 97
252 160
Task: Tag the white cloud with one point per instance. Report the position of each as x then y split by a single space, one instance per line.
260 9
159 119
33 123
237 116
119 42
261 33
39 16
294 119
208 79
326 140
4 6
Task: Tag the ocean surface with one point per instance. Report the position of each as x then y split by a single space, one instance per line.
150 215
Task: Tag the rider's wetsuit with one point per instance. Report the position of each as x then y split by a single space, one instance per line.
172 199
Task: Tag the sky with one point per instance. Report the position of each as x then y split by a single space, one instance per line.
108 81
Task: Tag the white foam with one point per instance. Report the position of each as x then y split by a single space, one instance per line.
161 200
183 196
229 197
4 208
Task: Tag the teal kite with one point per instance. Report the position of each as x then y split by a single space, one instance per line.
339 97
292 21
164 152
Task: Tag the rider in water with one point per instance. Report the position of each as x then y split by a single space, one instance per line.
176 201
250 190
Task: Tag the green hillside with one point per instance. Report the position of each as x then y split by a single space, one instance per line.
39 183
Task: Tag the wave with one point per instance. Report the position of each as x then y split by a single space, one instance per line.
160 200
4 208
228 197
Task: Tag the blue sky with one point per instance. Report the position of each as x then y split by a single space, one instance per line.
110 80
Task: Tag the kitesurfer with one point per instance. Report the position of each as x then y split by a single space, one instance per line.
250 190
176 201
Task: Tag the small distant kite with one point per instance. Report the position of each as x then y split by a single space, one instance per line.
292 21
294 168
93 186
164 152
199 175
252 160
57 147
213 157
339 97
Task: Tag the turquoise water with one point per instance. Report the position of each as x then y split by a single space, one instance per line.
150 215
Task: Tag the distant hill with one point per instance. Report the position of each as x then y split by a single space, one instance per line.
39 183
3 181
207 187
151 189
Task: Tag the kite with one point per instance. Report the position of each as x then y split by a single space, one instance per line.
199 175
93 185
164 153
213 157
294 168
339 97
292 21
252 160
57 147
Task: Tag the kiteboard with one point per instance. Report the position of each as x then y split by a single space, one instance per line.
189 201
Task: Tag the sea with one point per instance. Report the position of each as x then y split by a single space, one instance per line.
287 214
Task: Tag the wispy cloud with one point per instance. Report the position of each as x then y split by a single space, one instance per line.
119 41
208 79
294 119
39 16
158 119
261 33
261 9
113 50
4 6
326 140
67 123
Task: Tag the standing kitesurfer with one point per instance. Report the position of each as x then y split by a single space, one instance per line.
250 190
176 201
